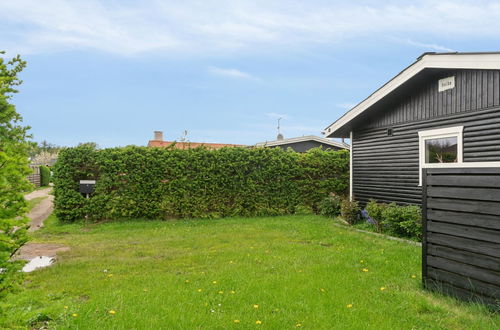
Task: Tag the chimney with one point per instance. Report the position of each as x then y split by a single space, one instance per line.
158 136
280 137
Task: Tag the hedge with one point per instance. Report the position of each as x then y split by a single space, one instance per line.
158 183
44 176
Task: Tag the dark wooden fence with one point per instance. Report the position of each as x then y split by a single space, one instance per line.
461 239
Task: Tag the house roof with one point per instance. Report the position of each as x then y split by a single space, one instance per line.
484 61
190 145
303 139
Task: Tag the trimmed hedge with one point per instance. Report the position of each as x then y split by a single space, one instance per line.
44 176
157 183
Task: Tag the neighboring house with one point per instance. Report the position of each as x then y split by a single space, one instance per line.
303 143
441 111
159 142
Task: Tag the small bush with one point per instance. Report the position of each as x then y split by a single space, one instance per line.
330 206
405 221
349 210
374 212
44 176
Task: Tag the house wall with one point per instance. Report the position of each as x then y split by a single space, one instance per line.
305 145
386 168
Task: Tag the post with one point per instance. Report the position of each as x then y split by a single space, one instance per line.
424 227
350 167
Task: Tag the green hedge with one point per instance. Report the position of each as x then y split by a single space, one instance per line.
44 176
156 183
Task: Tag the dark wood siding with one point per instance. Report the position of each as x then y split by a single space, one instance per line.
461 243
386 167
474 90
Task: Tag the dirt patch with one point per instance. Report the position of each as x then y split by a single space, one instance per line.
32 250
38 193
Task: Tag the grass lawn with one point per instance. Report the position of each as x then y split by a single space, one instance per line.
241 273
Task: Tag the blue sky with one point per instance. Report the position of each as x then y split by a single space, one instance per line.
112 72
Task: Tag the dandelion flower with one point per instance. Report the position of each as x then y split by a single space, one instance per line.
221 292
112 312
186 281
362 261
233 292
66 307
298 325
199 290
255 306
414 276
74 315
382 288
236 321
349 305
322 290
365 269
231 262
258 322
110 275
214 282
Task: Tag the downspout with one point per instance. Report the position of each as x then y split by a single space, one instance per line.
350 167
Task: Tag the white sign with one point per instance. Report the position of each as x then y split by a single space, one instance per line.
87 181
446 83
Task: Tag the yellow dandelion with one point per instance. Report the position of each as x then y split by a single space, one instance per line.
110 275
221 292
349 305
199 290
258 322
277 310
214 282
255 306
298 325
322 290
112 312
236 321
300 270
382 288
365 269
414 276
362 261
66 307
233 292
267 251
145 290
231 262
74 315
186 281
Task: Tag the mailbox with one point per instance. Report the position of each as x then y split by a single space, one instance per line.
87 186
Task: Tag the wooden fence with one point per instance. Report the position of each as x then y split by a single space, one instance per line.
34 177
461 239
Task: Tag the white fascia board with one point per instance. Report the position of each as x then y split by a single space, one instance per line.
451 61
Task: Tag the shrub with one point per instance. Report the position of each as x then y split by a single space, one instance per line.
44 176
405 221
152 183
374 212
349 210
330 206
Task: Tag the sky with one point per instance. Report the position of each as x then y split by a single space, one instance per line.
114 71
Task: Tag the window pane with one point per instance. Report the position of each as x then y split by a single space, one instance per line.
442 150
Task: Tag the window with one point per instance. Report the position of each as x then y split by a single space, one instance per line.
440 148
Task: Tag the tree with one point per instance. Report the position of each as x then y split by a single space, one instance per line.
13 172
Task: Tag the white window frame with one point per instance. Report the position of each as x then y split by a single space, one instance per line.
440 133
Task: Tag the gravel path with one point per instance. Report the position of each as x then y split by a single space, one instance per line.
42 210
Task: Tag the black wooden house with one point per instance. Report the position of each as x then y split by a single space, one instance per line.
442 111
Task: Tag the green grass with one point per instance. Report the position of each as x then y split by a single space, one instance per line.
204 274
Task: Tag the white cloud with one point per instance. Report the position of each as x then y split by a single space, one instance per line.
194 27
277 115
426 46
233 73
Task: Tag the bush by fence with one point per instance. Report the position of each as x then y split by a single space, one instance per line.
44 176
155 183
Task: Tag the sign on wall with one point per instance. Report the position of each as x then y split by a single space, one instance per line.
446 83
